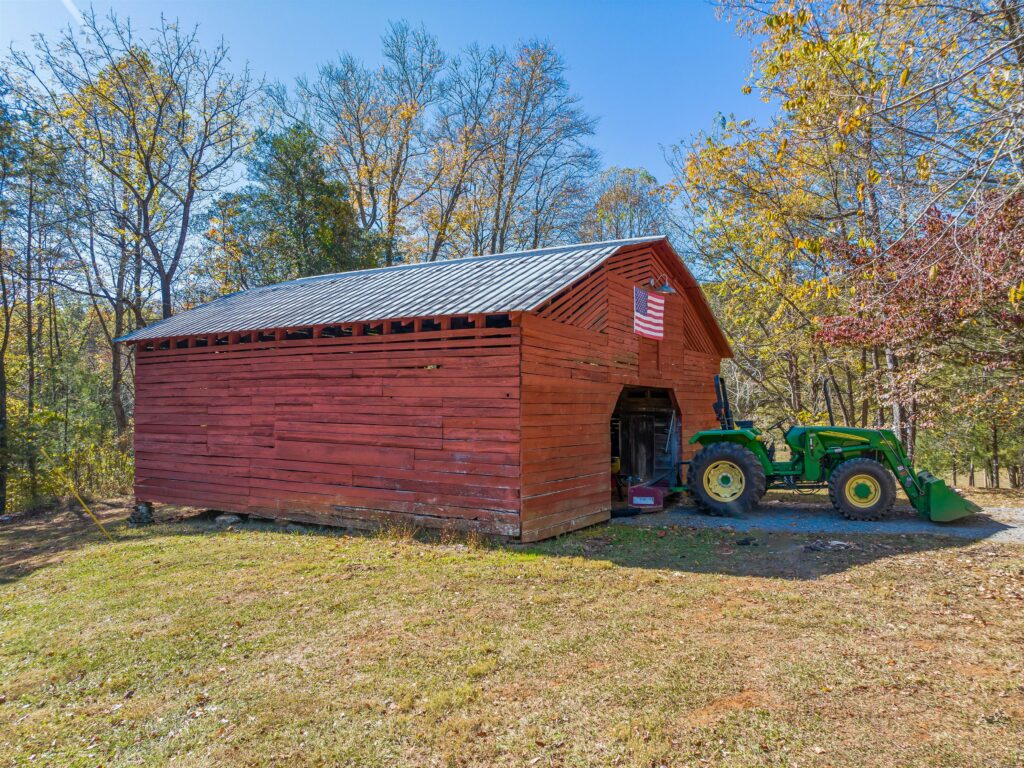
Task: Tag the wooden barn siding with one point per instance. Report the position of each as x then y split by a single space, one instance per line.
354 430
575 364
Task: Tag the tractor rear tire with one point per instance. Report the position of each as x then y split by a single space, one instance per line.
862 489
726 479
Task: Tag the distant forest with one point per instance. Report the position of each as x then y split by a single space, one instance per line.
868 236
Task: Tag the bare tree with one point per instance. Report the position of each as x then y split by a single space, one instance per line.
11 161
372 125
100 232
163 116
627 202
539 149
460 141
477 154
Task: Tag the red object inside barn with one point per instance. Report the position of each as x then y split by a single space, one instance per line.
503 422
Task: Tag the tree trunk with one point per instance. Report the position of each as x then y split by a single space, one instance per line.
880 416
137 299
117 390
5 462
912 430
864 403
995 456
6 295
30 347
166 308
892 363
793 371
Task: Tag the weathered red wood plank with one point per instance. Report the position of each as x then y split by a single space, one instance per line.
350 454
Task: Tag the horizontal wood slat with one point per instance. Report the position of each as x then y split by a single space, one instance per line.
422 427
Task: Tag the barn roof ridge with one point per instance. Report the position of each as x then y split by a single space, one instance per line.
619 243
515 281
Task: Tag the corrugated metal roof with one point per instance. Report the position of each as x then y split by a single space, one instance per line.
505 282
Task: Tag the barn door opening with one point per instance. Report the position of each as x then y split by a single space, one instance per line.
645 445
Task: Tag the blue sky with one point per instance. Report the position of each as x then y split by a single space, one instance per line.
653 73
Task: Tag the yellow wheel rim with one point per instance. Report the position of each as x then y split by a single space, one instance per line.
724 481
862 491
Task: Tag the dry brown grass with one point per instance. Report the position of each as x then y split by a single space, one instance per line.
994 497
184 645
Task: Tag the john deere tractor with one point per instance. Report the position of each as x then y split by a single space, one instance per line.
860 467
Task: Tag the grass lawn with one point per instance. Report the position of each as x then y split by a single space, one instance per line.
186 645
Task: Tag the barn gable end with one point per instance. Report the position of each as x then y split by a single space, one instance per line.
585 302
575 368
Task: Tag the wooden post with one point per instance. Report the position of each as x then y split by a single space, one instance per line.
995 455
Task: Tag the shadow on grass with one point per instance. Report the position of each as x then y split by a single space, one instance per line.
786 537
42 537
37 542
793 556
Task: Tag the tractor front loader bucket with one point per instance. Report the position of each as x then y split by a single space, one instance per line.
939 502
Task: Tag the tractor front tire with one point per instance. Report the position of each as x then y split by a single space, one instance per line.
726 479
862 489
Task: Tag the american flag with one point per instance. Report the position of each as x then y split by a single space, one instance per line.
648 314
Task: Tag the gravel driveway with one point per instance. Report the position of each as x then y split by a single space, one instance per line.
998 524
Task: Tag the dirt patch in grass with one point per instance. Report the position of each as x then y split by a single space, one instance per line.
719 708
188 645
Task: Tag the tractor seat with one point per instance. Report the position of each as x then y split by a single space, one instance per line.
744 424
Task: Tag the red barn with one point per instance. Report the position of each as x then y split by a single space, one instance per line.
489 393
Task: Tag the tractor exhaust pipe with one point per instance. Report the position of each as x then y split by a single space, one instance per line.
721 406
718 406
728 408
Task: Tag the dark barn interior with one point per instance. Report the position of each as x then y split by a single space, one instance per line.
645 432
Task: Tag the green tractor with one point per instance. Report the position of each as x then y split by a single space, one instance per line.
861 467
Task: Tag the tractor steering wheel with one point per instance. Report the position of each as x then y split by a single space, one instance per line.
777 424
